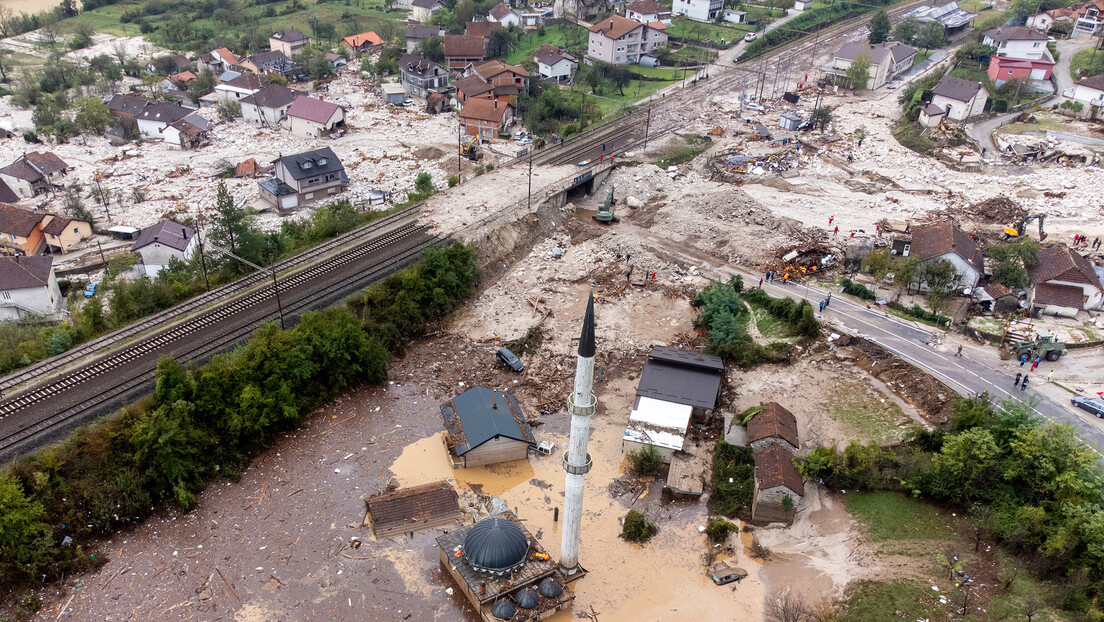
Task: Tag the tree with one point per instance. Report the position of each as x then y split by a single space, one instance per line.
965 461
621 77
1020 10
20 525
231 225
107 67
907 30
930 36
821 118
637 528
432 49
203 85
500 42
879 27
423 183
3 68
465 10
1011 274
321 68
278 79
46 114
92 117
786 606
859 72
168 447
939 275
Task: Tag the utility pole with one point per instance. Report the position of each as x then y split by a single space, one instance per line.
202 258
530 195
276 288
648 125
459 151
103 259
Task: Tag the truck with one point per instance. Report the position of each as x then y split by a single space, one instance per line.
1044 345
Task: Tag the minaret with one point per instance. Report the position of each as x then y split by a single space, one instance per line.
576 460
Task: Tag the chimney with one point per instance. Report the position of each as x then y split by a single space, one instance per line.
611 23
494 405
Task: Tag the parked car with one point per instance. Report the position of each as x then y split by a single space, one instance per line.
510 359
751 36
1094 405
723 573
90 291
753 106
408 102
525 141
518 135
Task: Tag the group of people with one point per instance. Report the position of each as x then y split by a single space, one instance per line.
769 278
1081 239
824 303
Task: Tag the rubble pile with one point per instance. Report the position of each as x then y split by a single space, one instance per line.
996 210
732 164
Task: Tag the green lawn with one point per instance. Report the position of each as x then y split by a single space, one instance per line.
867 414
921 56
557 34
688 28
894 516
1080 67
972 74
609 99
883 601
769 326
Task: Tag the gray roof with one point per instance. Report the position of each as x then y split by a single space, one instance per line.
276 187
7 195
484 414
424 4
164 113
495 545
272 96
417 65
679 376
23 272
877 52
289 35
167 232
311 163
418 31
129 104
957 88
932 110
1019 33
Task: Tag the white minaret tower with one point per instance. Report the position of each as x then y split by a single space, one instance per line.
576 460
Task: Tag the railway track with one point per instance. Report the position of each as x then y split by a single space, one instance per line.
78 394
47 367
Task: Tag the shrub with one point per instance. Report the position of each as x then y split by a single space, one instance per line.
646 461
733 479
453 180
637 527
718 529
857 289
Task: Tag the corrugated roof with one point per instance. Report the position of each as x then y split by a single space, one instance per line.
167 232
23 272
481 414
315 110
674 375
774 467
615 26
774 420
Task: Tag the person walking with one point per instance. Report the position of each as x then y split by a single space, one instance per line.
1023 387
1050 376
1035 363
603 147
760 283
959 353
1016 382
1023 359
822 306
828 300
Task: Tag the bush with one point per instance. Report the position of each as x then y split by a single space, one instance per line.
718 529
637 527
857 289
646 461
920 313
453 180
733 479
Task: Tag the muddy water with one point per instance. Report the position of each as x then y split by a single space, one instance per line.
625 581
29 6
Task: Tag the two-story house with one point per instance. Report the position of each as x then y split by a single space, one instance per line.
35 173
648 11
464 50
961 99
504 15
160 243
364 42
493 80
486 118
304 178
1066 280
417 33
314 118
619 40
239 87
421 77
423 10
1090 19
218 61
944 240
1017 42
127 106
1088 91
265 63
269 105
698 10
153 120
21 231
63 232
288 41
557 66
887 60
28 287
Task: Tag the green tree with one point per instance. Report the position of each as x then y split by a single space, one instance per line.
879 27
939 275
321 68
20 525
965 461
168 448
432 49
500 42
447 21
465 10
1019 10
822 118
1011 274
859 72
92 116
204 84
907 30
423 183
279 80
46 114
930 36
233 227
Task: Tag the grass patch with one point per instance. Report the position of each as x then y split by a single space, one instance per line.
973 74
1044 123
733 479
563 35
894 516
700 31
679 152
1080 67
912 318
866 414
921 56
768 326
875 601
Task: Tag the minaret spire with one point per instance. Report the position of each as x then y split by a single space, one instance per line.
576 460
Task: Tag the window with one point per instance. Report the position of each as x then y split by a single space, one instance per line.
75 230
1037 44
331 176
314 180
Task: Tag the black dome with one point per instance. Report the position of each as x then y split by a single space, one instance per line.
495 545
551 587
527 598
503 610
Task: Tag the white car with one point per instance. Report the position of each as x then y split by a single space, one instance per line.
518 135
753 106
751 36
525 141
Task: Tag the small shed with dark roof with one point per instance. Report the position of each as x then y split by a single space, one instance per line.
416 508
682 377
485 426
776 478
774 426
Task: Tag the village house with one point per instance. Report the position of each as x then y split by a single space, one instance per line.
336 60
1003 68
481 29
684 377
698 10
1080 19
21 231
7 195
288 41
314 118
961 99
485 426
463 50
774 426
303 178
34 173
647 11
179 81
486 118
557 66
504 15
421 77
944 240
359 44
1090 92
1017 42
931 115
153 120
62 232
268 106
472 87
127 106
417 33
423 10
887 61
28 286
264 63
238 88
1090 19
657 424
191 132
618 40
218 61
507 81
159 244
1065 280
776 480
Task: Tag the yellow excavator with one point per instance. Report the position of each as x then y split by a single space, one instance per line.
1017 229
472 151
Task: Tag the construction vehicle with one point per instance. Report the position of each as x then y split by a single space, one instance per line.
1043 345
605 210
1017 229
472 150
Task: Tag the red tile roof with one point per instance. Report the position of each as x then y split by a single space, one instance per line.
23 272
464 46
647 7
943 237
500 11
1060 263
480 29
369 38
1051 294
485 110
774 420
18 222
615 26
774 467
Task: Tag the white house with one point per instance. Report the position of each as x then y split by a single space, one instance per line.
504 15
887 60
931 115
658 424
269 105
646 11
557 66
28 287
423 10
619 40
238 87
158 244
188 133
1018 42
1090 92
961 99
944 240
153 120
699 10
34 173
1065 280
314 118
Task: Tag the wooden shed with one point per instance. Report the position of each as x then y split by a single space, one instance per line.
413 509
485 426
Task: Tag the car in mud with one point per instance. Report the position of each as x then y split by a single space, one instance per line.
510 359
725 572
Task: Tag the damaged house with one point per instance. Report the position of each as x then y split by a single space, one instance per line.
304 178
